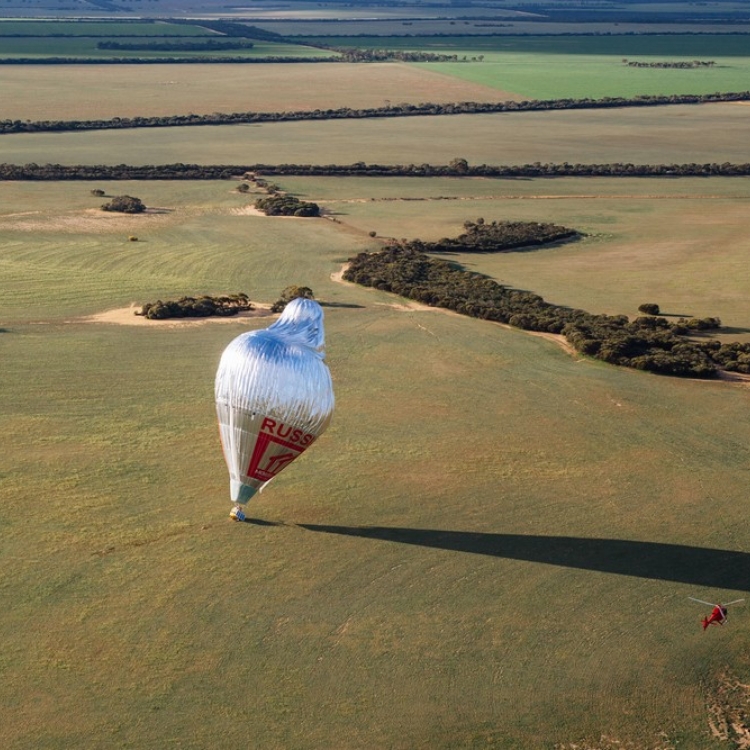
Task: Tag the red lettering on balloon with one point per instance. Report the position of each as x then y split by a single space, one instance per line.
276 447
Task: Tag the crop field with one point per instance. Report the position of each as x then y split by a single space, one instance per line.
676 134
518 580
89 91
493 544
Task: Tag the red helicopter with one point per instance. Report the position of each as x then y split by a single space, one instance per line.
718 614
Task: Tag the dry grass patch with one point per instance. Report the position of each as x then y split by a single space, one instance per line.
104 91
128 316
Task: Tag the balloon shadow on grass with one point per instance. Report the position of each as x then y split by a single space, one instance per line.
697 566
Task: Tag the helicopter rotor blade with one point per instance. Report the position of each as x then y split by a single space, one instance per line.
700 601
736 601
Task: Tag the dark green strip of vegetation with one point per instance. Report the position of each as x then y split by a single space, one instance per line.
343 113
197 59
646 343
457 168
210 45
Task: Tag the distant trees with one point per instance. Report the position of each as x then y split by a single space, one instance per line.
210 45
125 204
684 64
179 171
427 109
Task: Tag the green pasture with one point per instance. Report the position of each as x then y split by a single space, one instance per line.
492 546
86 47
652 135
118 28
552 67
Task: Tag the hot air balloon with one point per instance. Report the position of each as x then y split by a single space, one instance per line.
274 398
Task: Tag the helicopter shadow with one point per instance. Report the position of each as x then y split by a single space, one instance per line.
697 566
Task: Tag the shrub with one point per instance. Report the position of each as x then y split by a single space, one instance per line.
650 308
290 293
125 204
286 205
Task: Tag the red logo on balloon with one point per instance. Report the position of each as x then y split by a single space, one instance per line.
276 447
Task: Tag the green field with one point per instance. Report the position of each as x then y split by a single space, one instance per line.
550 67
494 543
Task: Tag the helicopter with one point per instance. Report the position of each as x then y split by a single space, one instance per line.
718 614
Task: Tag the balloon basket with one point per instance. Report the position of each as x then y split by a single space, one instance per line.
237 514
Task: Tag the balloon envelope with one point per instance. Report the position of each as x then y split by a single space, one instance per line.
274 397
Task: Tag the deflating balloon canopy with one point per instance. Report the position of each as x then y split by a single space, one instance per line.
274 396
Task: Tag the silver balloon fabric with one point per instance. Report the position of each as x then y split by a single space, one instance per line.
274 396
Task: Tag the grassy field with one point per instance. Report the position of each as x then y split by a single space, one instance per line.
680 242
493 544
675 134
541 523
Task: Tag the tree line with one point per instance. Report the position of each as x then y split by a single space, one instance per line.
193 59
681 65
61 172
398 110
210 45
495 236
647 343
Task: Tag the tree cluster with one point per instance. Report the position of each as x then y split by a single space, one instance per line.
286 205
196 307
428 109
125 204
495 237
646 343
